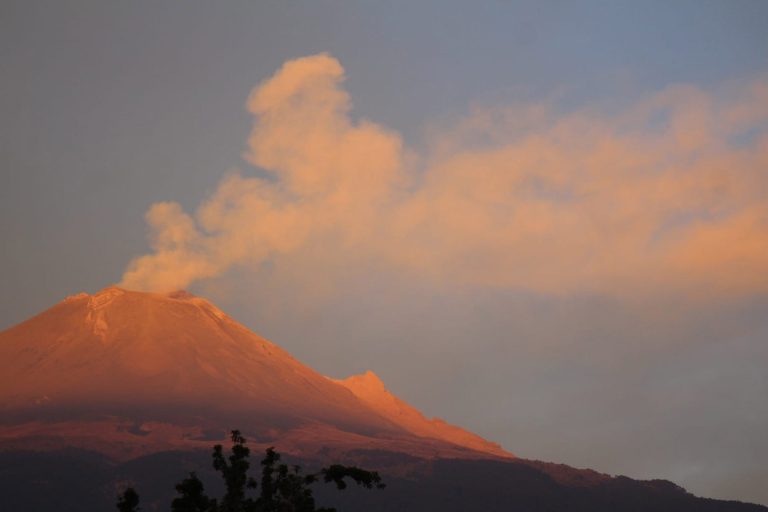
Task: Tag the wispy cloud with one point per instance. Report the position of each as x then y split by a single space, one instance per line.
666 194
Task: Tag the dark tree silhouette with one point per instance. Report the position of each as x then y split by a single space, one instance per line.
128 501
192 496
234 472
283 488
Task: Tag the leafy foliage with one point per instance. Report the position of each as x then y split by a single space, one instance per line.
282 488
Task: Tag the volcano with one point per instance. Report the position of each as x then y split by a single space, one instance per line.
124 386
128 373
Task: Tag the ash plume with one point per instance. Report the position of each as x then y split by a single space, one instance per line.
668 192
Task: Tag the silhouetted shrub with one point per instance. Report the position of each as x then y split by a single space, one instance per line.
282 488
128 501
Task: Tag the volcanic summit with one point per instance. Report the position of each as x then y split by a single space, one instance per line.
128 373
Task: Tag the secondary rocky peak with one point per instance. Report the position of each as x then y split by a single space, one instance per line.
370 389
368 381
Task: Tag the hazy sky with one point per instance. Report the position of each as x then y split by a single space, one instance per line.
544 221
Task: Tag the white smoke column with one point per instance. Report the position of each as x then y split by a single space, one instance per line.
332 177
668 194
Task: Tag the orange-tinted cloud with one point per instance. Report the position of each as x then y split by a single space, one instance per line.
670 193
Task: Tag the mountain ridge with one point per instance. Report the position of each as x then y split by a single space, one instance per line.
122 385
154 358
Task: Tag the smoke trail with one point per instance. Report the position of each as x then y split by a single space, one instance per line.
669 193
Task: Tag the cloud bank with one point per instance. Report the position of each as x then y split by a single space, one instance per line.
670 193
